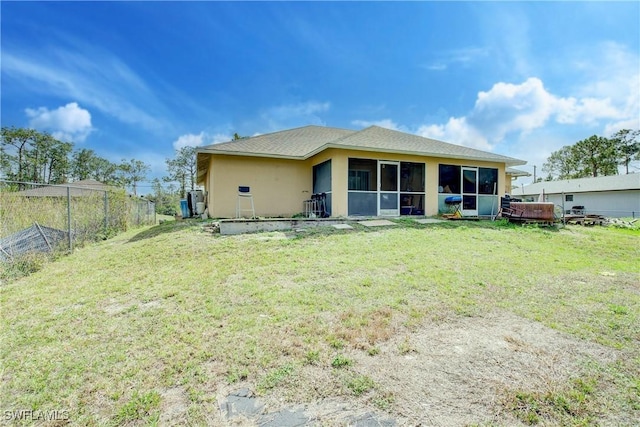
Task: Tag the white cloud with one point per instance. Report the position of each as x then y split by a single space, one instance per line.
220 137
456 131
436 66
188 140
510 111
67 123
95 78
462 56
529 122
197 140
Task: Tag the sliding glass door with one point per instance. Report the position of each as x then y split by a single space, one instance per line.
469 191
388 184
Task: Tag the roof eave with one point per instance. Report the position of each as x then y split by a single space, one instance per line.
247 154
507 161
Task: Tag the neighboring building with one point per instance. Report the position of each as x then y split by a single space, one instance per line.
613 196
85 187
371 172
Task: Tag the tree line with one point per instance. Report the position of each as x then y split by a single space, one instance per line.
180 179
594 156
30 156
27 155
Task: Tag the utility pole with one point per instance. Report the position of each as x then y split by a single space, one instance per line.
534 173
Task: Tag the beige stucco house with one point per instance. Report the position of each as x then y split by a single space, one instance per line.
370 172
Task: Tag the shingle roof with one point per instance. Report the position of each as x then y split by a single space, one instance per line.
295 143
516 172
78 188
582 185
380 139
304 142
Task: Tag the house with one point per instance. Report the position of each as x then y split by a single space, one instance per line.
370 172
614 196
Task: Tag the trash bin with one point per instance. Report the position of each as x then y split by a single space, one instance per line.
200 208
184 207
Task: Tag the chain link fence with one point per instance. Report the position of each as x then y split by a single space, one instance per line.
44 218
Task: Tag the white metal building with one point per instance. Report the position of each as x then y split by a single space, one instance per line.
613 196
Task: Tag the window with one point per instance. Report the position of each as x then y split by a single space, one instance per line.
449 179
568 197
322 177
322 182
487 181
363 175
412 177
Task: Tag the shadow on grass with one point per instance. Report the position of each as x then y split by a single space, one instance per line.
167 227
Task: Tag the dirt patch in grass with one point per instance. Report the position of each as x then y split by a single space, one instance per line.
458 371
175 404
455 372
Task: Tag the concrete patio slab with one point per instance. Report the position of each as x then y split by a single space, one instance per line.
377 223
342 226
428 220
241 226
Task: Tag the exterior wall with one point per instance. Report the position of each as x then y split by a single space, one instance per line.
340 174
508 184
278 186
615 204
339 178
432 185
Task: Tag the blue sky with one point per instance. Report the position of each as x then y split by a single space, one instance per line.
138 79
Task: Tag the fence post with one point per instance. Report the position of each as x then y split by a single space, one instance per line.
69 218
106 213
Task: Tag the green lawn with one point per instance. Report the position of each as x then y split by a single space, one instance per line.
105 332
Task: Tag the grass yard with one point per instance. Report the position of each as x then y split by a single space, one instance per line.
465 323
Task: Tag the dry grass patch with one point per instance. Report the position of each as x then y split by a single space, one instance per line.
364 330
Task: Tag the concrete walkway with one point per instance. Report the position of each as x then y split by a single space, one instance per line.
242 404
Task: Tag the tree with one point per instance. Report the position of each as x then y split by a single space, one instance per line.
15 144
81 164
29 155
132 172
593 156
596 156
87 165
183 169
166 200
560 164
627 145
48 159
106 172
57 167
